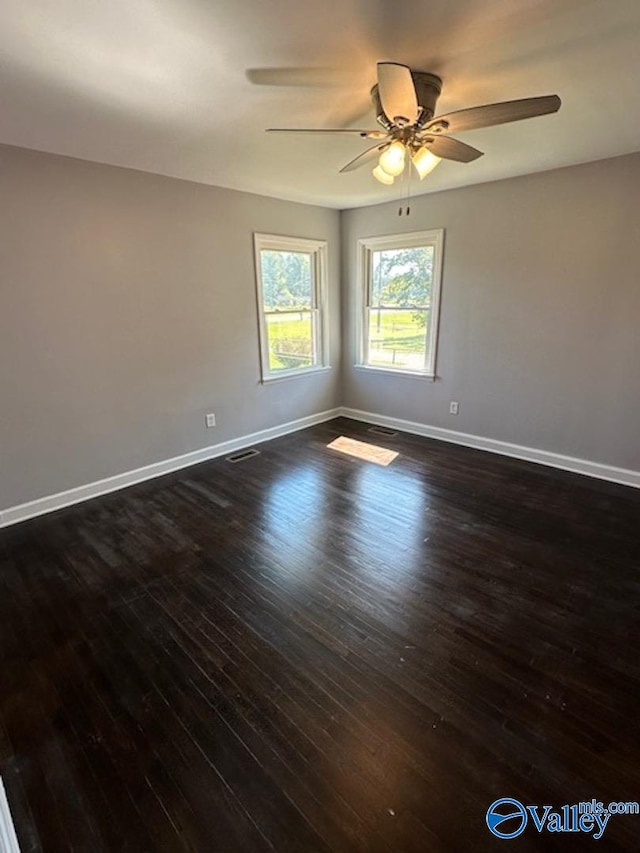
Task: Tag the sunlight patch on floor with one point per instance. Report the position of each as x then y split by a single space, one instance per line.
363 450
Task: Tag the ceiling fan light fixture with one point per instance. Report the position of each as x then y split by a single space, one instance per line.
384 177
392 159
413 134
424 161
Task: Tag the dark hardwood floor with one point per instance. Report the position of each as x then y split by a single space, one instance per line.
305 652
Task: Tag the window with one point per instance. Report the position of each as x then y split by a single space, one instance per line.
400 287
291 278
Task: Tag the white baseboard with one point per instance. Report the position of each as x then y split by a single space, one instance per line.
50 503
8 838
543 457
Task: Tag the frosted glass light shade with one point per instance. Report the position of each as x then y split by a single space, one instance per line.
382 176
392 160
425 161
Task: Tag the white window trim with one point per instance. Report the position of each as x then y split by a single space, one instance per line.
366 247
318 250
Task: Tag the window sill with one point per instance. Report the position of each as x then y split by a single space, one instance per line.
296 374
389 371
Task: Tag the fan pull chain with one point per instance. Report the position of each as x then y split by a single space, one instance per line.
408 194
402 180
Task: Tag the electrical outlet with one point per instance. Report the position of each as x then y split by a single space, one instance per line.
210 420
454 408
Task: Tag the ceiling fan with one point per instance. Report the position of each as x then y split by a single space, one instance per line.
405 103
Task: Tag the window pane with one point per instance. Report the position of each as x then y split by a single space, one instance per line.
402 278
397 338
290 338
286 280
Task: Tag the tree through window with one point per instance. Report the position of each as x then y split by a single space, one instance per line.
291 295
401 286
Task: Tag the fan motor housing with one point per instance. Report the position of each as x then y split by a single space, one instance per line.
428 87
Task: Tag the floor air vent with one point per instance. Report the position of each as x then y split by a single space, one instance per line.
380 430
241 455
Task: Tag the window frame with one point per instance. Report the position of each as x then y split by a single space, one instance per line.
318 250
366 247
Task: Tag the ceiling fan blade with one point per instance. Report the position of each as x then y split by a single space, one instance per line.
451 149
492 114
365 157
365 134
397 93
318 77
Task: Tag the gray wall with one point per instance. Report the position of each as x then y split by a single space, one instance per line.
540 314
127 311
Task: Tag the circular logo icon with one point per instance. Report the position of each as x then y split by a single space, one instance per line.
507 813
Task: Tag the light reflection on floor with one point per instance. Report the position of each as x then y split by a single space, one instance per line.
294 519
386 521
391 519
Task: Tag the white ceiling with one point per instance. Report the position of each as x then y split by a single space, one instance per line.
181 87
